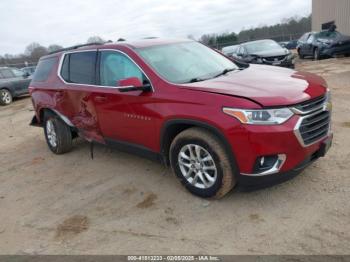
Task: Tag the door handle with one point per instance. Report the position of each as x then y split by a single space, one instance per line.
100 98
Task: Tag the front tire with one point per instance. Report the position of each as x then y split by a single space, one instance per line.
201 163
300 55
5 97
58 135
316 54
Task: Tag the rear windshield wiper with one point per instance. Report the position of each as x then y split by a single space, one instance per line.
225 71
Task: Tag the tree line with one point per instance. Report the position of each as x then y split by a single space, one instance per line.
288 29
34 51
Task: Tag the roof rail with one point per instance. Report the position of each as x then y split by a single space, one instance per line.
74 47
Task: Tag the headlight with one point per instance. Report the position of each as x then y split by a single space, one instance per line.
260 117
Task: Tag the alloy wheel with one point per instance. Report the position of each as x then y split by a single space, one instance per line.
6 96
51 133
197 166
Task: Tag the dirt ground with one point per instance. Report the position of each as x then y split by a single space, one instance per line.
123 204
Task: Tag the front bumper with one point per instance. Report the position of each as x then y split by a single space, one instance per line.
336 50
287 62
251 142
248 183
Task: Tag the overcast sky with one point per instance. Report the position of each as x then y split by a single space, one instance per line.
68 22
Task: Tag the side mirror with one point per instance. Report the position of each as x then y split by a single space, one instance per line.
132 84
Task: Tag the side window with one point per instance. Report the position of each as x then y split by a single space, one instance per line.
44 69
115 66
310 39
17 73
6 73
79 67
304 37
241 51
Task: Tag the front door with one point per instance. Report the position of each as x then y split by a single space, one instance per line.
123 117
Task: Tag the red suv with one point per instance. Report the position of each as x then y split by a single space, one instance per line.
214 123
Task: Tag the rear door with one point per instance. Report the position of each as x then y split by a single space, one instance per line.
75 100
123 117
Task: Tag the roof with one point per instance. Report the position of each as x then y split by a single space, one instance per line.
143 43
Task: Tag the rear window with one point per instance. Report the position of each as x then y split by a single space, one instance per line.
44 69
79 67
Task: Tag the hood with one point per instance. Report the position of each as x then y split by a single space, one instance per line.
267 85
269 53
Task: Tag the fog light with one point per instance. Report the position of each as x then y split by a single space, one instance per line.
264 163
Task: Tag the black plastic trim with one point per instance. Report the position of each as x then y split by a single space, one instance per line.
134 149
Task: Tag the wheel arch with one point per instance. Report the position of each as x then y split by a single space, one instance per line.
173 127
8 89
43 110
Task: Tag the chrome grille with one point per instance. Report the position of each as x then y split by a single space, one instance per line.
315 126
311 105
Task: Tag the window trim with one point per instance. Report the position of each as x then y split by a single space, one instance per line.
97 68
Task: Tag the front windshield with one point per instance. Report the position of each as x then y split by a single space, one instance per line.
185 62
261 46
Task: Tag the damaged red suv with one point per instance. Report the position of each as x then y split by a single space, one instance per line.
216 124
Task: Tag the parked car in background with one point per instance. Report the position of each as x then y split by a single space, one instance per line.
283 44
229 50
292 44
178 101
13 83
323 44
266 52
29 70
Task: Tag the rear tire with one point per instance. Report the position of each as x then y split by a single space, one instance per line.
58 134
5 97
207 171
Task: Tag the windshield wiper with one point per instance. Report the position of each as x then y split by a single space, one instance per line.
225 71
196 79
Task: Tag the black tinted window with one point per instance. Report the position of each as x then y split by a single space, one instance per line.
44 69
79 68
